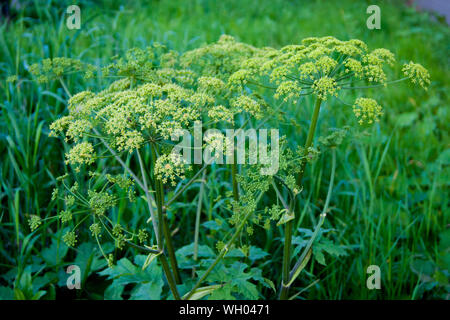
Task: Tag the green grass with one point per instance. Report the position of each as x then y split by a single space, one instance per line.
390 203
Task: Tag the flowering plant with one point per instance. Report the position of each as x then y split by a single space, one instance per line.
121 148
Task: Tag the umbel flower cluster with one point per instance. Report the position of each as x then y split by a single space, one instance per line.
154 98
323 67
158 92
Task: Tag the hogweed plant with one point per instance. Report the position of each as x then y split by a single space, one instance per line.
122 144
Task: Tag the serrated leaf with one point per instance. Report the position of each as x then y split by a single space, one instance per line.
212 225
114 291
331 248
318 255
149 281
203 251
54 254
223 293
246 288
257 253
88 259
147 291
270 283
126 272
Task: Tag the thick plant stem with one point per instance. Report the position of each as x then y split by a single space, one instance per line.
163 228
286 259
197 218
162 258
170 279
295 271
171 251
289 225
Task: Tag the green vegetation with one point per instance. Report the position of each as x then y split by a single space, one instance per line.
384 189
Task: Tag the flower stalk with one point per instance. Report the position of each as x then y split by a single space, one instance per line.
163 228
289 225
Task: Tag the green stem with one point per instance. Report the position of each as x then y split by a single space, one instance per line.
157 229
170 279
197 218
294 273
289 225
286 259
171 251
65 87
220 256
376 85
163 228
222 252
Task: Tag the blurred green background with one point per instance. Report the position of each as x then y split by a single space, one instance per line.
392 198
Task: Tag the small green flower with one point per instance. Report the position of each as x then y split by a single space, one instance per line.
169 167
221 113
99 202
69 200
267 224
70 238
110 260
55 194
142 235
275 212
82 153
120 241
417 73
289 90
65 216
117 230
220 245
95 229
34 222
245 250
248 104
211 85
325 87
367 110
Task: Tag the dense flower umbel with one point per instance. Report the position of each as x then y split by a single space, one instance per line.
131 112
34 222
51 69
417 73
156 97
129 117
218 59
367 110
322 67
169 167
